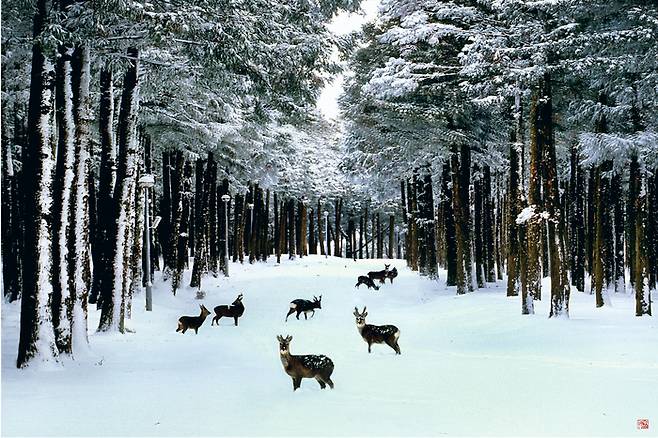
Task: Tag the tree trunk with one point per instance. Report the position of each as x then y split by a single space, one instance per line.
449 225
642 289
488 224
113 309
37 339
62 202
479 230
631 219
321 229
338 251
534 223
102 275
556 246
81 266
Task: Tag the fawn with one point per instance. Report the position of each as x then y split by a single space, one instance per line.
305 306
234 311
367 281
194 322
377 334
309 366
379 275
392 274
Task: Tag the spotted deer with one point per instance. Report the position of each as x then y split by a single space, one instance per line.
392 274
234 311
193 322
367 281
305 306
309 366
379 275
377 334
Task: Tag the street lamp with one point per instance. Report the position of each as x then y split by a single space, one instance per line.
225 199
146 182
326 231
250 206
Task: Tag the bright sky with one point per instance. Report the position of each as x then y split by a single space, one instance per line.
343 24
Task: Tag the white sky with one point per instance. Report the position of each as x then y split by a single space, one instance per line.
343 24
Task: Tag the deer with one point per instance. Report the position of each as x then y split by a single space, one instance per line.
379 275
377 334
367 281
310 366
234 311
194 322
300 305
392 274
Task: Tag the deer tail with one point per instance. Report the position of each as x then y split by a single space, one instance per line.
293 305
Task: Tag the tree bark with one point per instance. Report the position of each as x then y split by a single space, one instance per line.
37 339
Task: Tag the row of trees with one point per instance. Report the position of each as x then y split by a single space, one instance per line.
539 118
96 93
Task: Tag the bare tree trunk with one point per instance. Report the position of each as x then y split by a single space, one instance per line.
113 309
37 338
642 289
449 224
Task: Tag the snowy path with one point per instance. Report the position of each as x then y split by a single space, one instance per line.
470 365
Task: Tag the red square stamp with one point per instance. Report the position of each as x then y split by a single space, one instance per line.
643 423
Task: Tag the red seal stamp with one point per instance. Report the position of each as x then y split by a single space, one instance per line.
643 423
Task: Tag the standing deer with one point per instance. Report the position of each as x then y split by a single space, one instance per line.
193 322
367 281
234 311
379 275
309 366
377 334
392 274
305 306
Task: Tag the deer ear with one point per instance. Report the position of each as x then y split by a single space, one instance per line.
279 338
288 338
364 309
356 312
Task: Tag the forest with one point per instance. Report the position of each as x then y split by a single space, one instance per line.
511 139
479 144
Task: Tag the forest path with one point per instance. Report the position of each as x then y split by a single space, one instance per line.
469 365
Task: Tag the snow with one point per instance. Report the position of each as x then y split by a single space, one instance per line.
470 364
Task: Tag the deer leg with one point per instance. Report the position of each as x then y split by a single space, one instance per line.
312 314
329 382
296 383
298 312
322 384
306 316
236 320
196 330
393 344
290 312
369 347
184 330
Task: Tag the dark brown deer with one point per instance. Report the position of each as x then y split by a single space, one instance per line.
305 306
379 275
309 366
377 334
392 274
193 322
234 311
367 281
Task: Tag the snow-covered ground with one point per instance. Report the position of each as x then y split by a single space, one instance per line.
470 365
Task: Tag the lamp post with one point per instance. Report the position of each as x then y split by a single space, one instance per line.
326 232
250 206
146 182
225 199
